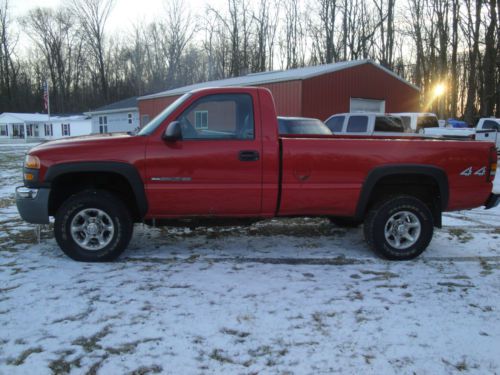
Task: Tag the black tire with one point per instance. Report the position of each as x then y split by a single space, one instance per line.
104 210
399 213
345 222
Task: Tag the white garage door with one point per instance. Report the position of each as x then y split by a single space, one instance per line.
367 105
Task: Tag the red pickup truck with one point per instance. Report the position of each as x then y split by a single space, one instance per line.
215 154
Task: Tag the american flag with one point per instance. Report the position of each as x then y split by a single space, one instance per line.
46 95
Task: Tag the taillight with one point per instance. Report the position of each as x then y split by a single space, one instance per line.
493 164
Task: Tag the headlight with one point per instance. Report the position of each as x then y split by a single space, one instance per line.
32 162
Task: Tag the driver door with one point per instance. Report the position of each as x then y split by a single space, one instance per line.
216 168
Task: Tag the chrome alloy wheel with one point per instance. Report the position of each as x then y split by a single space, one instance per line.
92 229
402 230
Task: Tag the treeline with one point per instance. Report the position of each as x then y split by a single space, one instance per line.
454 42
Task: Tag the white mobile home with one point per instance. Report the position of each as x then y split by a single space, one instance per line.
35 127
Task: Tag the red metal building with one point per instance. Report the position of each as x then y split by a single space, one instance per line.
316 91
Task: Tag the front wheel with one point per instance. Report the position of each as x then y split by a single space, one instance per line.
93 226
399 228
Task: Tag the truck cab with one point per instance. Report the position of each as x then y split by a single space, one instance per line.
488 130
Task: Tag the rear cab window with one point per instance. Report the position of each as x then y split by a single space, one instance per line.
427 122
391 124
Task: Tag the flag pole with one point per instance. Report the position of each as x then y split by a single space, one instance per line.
48 98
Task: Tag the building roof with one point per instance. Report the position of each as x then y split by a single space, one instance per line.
24 117
13 118
275 76
122 105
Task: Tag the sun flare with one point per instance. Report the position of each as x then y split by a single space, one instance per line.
439 89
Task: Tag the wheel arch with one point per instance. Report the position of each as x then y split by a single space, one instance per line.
80 175
414 176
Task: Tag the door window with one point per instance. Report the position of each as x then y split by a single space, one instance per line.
489 124
357 124
221 116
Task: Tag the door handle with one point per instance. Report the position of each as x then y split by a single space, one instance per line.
248 155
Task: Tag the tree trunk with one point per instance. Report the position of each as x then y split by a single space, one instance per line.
489 63
454 51
470 108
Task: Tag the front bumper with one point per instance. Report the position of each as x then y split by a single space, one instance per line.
33 204
493 201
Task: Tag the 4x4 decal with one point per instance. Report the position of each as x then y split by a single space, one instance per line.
470 171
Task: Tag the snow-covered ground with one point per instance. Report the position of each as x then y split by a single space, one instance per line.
279 297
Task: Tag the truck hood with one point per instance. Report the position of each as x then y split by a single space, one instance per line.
90 140
94 148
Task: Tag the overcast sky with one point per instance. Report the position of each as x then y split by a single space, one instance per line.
124 14
124 11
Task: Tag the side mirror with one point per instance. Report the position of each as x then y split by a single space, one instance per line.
173 132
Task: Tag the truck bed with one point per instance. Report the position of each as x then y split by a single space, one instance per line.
325 174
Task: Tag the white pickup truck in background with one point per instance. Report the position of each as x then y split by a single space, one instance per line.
487 130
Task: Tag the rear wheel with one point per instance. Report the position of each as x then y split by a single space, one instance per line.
399 228
93 226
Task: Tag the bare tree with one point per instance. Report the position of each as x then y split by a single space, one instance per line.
454 58
7 70
386 27
262 21
489 63
274 18
293 29
440 10
92 16
51 31
497 113
472 27
136 55
215 47
328 10
177 30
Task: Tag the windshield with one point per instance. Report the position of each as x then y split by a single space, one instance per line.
154 123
